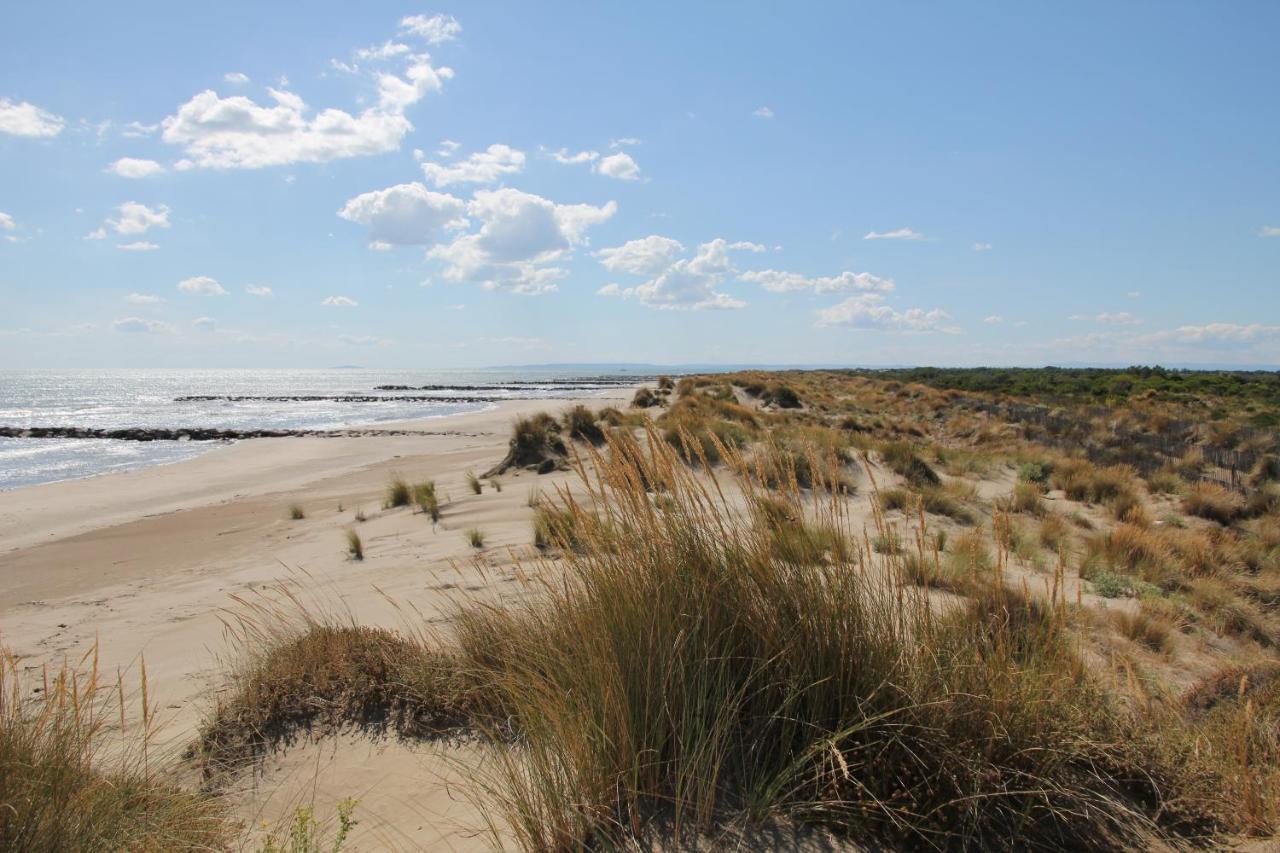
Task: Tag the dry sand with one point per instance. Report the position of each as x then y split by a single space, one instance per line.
147 562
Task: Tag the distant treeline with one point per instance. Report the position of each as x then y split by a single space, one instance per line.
1261 386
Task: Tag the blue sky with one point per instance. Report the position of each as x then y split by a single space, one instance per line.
469 184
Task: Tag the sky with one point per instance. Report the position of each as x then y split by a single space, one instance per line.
458 185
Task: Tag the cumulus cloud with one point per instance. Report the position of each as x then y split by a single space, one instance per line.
202 285
788 282
139 325
683 284
564 158
261 291
6 222
447 148
205 324
21 118
982 247
763 112
433 30
993 320
129 167
482 167
339 302
138 246
237 78
239 133
868 311
620 166
897 234
134 218
520 238
143 299
406 214
645 256
1269 231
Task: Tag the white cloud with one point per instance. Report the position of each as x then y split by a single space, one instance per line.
646 256
982 247
624 141
205 324
138 325
763 112
619 166
482 167
138 246
897 234
684 284
339 302
433 30
993 320
1134 294
868 311
239 133
261 292
520 238
20 118
787 282
129 167
135 218
565 158
237 78
202 284
143 299
6 222
405 215
387 50
1216 333
1269 231
136 129
447 148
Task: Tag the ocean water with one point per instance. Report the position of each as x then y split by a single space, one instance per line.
111 399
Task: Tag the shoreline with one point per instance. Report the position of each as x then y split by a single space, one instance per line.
154 563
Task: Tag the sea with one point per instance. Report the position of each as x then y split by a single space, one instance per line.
154 398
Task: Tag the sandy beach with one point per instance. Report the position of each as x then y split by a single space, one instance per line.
150 563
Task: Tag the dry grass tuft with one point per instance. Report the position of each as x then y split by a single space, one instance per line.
1211 501
63 787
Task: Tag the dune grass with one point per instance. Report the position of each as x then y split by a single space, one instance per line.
473 482
296 512
694 665
475 538
428 502
399 493
355 545
64 787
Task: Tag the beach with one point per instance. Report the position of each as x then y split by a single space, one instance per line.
154 563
